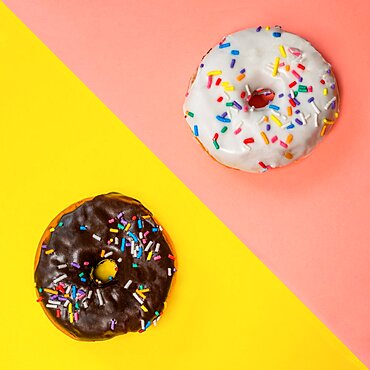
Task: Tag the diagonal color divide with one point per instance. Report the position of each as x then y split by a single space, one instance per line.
59 144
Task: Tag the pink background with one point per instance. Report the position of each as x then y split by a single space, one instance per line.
309 222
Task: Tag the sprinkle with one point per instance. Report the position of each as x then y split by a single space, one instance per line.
316 109
218 81
262 165
169 272
329 103
258 29
309 88
52 229
292 84
96 237
303 119
39 299
148 246
326 121
282 51
232 64
123 243
225 45
289 139
224 129
108 254
120 226
142 324
214 73
274 107
157 246
126 286
322 82
248 140
119 259
237 131
127 227
316 120
196 131
111 221
276 34
48 305
133 236
144 308
156 258
273 140
266 140
220 99
237 105
75 264
234 52
302 88
276 120
149 256
325 91
138 298
288 155
60 278
74 291
299 121
135 265
215 143
287 67
113 230
112 324
240 77
100 298
64 265
284 145
289 110
223 119
268 127
276 66
322 133
50 251
295 52
209 82
297 76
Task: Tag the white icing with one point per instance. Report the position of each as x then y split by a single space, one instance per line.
257 55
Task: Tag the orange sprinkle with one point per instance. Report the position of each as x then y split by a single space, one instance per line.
265 118
265 137
322 133
288 155
102 253
241 76
289 109
289 139
287 67
51 291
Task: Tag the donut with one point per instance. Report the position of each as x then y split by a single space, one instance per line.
261 99
104 267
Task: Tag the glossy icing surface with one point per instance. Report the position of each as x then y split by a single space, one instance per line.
107 227
255 62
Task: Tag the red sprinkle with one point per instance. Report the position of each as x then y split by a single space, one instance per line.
322 82
248 140
218 81
220 99
292 103
242 95
133 218
215 137
299 65
262 164
292 84
39 299
58 312
171 257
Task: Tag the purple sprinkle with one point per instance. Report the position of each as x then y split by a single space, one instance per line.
311 99
223 115
123 221
242 70
268 127
237 105
332 86
232 64
44 246
297 111
74 264
259 28
202 65
112 324
54 297
120 215
296 101
299 121
300 79
333 105
62 299
328 71
281 95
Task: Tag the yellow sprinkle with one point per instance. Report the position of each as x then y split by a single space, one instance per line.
336 114
289 139
267 28
145 290
287 67
145 217
265 137
111 240
214 73
52 229
225 83
140 293
50 251
276 120
230 88
276 66
127 227
149 256
144 308
113 230
328 122
289 109
322 133
51 291
241 76
70 308
282 51
325 91
102 253
288 155
66 295
71 318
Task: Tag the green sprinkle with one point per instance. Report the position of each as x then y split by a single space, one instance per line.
302 88
215 143
60 224
156 313
224 129
141 286
229 104
77 306
295 93
40 290
191 114
120 226
134 265
80 275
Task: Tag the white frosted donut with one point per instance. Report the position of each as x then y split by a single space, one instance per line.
247 70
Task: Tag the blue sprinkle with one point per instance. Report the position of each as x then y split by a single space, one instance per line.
83 280
311 99
222 119
74 291
196 131
139 254
276 34
140 224
232 64
242 70
155 229
259 28
123 243
226 45
133 236
274 107
290 126
268 127
147 325
299 121
83 228
235 52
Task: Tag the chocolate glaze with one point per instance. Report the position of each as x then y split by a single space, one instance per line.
70 244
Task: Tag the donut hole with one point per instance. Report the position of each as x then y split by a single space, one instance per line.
105 271
261 97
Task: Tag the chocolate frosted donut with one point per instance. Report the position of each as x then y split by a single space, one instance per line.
103 267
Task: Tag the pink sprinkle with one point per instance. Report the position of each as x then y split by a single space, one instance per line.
86 263
76 316
146 233
274 139
245 109
144 241
282 64
111 220
284 145
237 131
309 88
295 52
209 84
156 258
296 75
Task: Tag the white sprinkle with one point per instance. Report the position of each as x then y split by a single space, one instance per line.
60 278
100 298
62 266
108 254
316 120
85 304
157 247
329 102
142 324
277 113
119 259
96 237
227 95
317 110
160 227
148 246
68 290
248 90
292 93
169 271
286 125
141 235
89 294
138 298
54 302
116 241
51 306
132 247
66 303
303 118
128 284
261 120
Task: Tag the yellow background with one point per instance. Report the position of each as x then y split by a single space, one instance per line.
60 144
